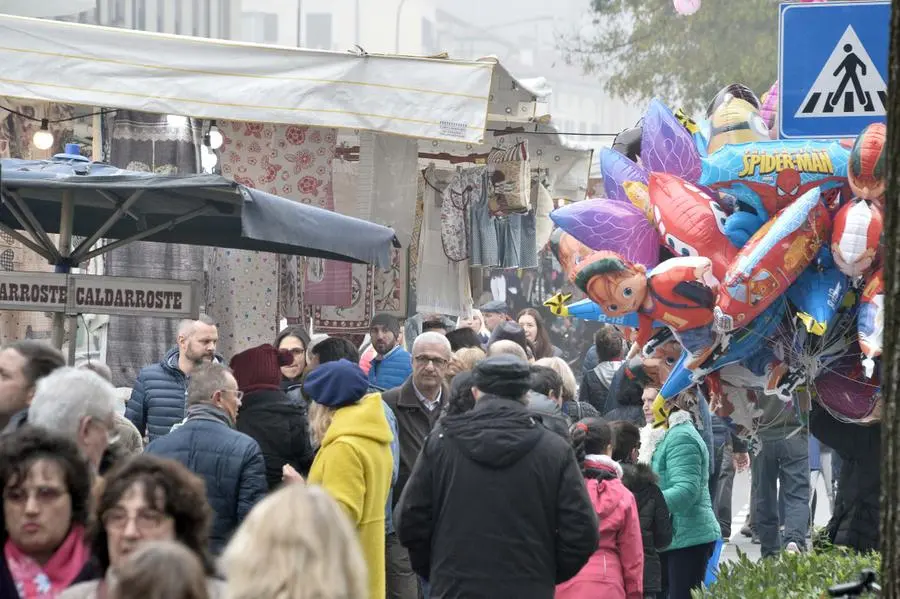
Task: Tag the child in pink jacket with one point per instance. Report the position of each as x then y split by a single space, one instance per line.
616 569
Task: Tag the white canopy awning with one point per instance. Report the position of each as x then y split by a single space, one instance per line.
214 79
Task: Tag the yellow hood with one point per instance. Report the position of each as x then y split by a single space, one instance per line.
363 419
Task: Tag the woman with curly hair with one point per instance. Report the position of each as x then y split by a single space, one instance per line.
532 323
147 498
46 486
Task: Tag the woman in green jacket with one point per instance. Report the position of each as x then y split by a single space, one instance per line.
682 462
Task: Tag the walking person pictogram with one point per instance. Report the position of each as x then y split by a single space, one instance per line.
850 65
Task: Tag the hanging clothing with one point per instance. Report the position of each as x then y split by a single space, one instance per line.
442 285
485 247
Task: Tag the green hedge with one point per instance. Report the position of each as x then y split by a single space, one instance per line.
790 576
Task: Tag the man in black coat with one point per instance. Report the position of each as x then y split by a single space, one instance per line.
856 518
496 506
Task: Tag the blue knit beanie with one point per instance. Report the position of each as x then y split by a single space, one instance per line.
336 384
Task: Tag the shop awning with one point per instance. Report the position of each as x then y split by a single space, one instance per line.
119 68
127 206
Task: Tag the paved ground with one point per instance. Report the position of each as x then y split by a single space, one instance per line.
740 507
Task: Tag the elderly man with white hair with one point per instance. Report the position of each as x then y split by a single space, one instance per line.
79 404
417 406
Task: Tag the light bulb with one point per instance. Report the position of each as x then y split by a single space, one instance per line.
214 137
43 139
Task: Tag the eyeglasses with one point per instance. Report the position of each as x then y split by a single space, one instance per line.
43 495
425 360
238 395
144 520
112 434
297 351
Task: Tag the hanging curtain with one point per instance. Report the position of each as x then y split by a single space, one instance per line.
149 142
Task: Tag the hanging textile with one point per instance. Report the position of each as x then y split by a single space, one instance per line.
242 297
442 286
414 242
355 315
152 143
485 247
15 142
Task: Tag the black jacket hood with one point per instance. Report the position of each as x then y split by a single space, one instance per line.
497 432
637 477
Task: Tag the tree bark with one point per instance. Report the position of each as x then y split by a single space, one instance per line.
890 429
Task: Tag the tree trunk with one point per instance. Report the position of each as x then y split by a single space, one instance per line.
890 429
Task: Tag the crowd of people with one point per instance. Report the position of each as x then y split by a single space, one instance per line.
466 464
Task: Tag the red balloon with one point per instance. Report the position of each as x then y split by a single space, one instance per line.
745 293
690 221
868 167
856 237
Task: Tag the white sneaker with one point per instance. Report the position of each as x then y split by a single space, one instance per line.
792 548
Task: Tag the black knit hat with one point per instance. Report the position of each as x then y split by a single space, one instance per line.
504 375
388 321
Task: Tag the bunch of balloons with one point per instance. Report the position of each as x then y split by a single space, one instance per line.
760 257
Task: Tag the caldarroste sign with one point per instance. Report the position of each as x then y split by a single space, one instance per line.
93 294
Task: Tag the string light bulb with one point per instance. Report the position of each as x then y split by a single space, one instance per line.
214 138
43 139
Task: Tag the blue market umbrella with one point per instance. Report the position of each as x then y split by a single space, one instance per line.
70 194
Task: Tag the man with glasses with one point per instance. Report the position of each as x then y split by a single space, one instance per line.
207 443
417 406
80 405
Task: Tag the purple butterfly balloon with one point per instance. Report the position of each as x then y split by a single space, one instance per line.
616 170
666 146
611 225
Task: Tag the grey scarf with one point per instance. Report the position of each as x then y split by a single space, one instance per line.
205 411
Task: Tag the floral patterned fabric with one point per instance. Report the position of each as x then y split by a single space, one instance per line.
293 162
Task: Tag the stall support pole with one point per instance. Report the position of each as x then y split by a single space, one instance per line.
66 222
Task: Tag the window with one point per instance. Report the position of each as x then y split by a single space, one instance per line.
7 260
259 27
318 31
428 40
7 238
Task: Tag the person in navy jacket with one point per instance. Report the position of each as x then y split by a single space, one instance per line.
158 398
392 364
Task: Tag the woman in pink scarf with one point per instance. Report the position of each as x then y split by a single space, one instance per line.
46 487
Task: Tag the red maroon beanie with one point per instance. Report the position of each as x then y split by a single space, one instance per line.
260 367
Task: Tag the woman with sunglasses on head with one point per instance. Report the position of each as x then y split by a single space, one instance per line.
46 486
147 498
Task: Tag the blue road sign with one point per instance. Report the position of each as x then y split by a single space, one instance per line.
832 67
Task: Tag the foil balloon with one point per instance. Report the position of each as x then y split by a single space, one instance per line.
769 108
867 163
611 225
679 292
687 7
735 347
628 143
617 170
771 261
735 121
871 321
567 250
856 237
666 146
690 222
765 177
588 310
639 195
842 389
817 294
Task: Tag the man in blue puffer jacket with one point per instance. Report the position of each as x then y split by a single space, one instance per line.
393 364
158 398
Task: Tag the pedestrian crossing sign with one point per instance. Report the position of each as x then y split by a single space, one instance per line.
832 68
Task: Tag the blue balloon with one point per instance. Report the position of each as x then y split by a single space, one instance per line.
736 347
817 294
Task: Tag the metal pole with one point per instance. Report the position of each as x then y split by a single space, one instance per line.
397 28
66 221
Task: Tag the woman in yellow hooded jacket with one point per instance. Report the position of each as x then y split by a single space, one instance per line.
354 463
